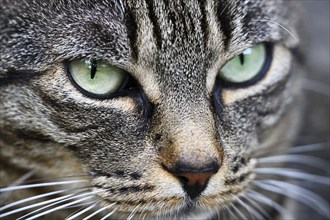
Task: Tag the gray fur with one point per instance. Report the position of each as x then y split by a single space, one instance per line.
179 114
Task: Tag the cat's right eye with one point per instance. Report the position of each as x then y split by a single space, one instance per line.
96 78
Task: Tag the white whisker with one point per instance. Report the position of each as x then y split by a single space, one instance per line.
226 210
241 215
133 212
75 215
297 193
72 196
144 211
231 213
229 210
33 205
19 181
35 197
219 212
317 87
63 199
82 205
250 210
47 179
224 9
280 25
210 209
299 159
99 210
294 173
59 207
108 215
159 213
258 207
265 200
308 148
10 188
291 150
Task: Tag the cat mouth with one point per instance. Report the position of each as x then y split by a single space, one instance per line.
143 199
178 211
168 208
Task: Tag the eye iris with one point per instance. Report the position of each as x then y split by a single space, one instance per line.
96 77
245 66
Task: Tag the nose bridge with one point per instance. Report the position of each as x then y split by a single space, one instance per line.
192 140
184 114
196 146
192 153
186 106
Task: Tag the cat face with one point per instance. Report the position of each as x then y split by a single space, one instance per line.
180 97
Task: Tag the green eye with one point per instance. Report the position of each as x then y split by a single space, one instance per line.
250 64
97 78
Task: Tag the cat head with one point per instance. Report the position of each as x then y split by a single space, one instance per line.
166 105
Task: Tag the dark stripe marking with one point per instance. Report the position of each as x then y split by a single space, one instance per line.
155 25
225 19
18 76
204 23
237 180
132 31
172 17
183 18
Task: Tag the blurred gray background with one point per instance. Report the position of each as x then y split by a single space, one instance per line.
316 86
316 120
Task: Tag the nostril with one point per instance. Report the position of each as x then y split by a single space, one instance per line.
193 180
194 183
183 180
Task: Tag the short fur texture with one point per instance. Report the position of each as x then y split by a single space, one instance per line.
179 114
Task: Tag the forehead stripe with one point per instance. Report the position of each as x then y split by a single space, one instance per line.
225 20
155 25
132 31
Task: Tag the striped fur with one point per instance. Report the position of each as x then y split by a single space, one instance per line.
179 110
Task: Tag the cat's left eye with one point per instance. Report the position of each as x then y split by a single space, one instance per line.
96 78
246 67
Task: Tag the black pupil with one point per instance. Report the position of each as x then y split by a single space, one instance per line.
93 68
241 59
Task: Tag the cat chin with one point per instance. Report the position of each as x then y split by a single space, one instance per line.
188 211
197 214
173 214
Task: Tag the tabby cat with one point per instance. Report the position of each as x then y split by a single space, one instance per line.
152 109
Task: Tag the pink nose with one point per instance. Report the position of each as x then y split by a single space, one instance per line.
194 180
